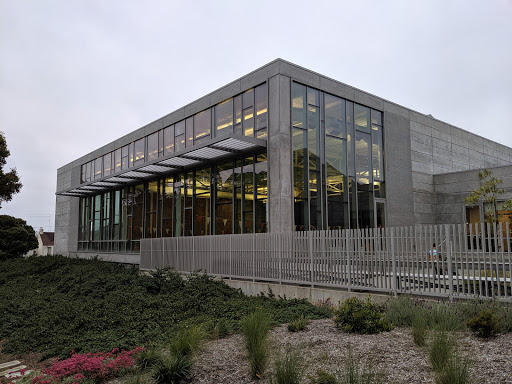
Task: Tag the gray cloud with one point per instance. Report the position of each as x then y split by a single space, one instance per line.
77 75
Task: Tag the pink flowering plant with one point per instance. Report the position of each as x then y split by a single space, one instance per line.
90 367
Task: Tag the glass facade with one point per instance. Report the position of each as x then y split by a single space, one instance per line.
222 199
245 114
338 162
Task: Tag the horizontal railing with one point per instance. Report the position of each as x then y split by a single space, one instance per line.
471 261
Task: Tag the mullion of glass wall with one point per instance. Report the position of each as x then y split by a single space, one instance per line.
315 166
300 158
336 182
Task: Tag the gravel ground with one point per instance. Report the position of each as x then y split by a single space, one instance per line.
323 346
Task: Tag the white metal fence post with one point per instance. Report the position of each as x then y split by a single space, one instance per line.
447 233
393 260
310 244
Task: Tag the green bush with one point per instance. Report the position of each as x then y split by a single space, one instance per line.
485 325
323 377
255 328
419 330
298 324
288 368
55 305
441 350
359 316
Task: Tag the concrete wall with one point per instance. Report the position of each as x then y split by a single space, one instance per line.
438 147
452 188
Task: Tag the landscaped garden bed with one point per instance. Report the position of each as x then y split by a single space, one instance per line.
108 322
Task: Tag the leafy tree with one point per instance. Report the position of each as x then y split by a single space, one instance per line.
9 182
489 192
16 237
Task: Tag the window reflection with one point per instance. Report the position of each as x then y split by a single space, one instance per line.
202 126
224 116
153 146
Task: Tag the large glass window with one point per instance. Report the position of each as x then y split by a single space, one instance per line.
117 160
139 151
202 202
189 130
98 168
107 164
224 117
261 110
338 161
300 157
169 140
202 126
179 131
153 146
238 115
336 183
362 118
248 113
261 204
151 209
125 157
167 207
224 202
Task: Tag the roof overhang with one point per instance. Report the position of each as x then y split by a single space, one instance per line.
215 150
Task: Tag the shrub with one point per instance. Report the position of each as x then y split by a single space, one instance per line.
419 330
220 329
288 368
322 377
55 305
354 374
98 367
440 351
359 316
445 317
171 369
456 371
485 325
403 310
187 341
325 308
255 328
298 324
147 358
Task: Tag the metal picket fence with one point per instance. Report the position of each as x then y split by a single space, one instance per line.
471 260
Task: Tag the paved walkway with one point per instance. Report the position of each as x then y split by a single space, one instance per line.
11 369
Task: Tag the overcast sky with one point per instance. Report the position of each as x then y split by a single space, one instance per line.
76 75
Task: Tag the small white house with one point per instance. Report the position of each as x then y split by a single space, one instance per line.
45 240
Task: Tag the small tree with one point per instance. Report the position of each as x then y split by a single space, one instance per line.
9 182
489 192
16 237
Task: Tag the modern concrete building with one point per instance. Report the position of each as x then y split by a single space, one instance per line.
280 149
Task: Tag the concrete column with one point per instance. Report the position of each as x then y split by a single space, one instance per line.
279 155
